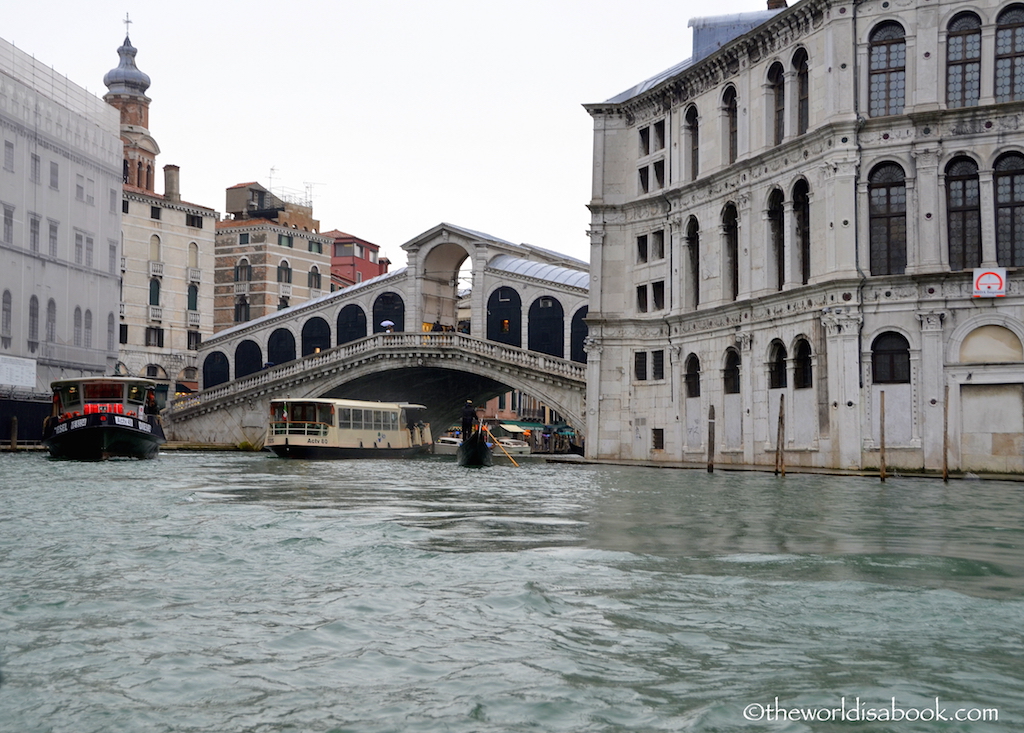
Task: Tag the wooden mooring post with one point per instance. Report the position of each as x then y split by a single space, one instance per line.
711 439
780 450
881 435
14 432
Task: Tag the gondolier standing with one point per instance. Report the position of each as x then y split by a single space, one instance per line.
468 418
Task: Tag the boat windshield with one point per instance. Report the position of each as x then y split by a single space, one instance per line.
103 392
136 393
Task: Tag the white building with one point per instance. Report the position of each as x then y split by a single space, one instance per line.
167 248
59 234
797 212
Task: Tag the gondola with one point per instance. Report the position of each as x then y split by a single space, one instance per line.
474 451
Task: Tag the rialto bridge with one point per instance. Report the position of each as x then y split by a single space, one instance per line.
523 329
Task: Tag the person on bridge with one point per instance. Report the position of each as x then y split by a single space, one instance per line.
468 418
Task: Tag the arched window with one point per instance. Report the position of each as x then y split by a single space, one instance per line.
316 336
88 329
1009 184
692 376
111 330
216 369
963 214
1009 85
693 133
154 248
731 373
777 366
51 321
887 194
241 309
803 376
803 91
777 240
154 291
351 324
78 327
193 254
313 280
193 297
731 235
284 272
887 75
124 172
802 216
243 271
693 261
33 319
248 358
963 61
777 94
890 359
731 108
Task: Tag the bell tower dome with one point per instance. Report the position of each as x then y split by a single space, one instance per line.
126 91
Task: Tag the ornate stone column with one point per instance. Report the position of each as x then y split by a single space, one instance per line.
842 330
932 378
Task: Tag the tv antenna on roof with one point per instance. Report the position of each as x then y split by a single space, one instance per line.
309 190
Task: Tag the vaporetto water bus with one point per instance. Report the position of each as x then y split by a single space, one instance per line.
330 428
95 418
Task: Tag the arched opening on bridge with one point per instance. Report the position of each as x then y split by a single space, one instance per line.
546 327
505 317
316 336
447 269
578 331
351 324
248 359
281 347
216 370
388 307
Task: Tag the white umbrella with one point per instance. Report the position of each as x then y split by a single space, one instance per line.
385 324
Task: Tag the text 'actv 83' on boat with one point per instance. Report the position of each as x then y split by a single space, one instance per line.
95 418
334 428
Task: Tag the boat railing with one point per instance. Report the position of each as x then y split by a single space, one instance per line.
317 429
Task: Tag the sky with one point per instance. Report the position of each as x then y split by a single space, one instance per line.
395 115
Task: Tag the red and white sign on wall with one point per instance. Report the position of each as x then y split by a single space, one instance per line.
989 282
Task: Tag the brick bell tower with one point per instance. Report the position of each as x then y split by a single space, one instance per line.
127 87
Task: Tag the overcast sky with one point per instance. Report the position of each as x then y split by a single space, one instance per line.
397 114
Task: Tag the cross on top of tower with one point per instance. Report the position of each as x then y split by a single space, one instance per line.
127 21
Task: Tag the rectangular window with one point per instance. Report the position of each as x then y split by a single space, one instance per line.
343 250
659 174
285 240
124 206
641 298
194 340
79 187
79 248
658 438
8 224
90 192
640 366
113 201
8 155
33 234
641 248
88 251
154 336
54 175
658 295
112 257
658 364
645 141
243 238
658 245
35 171
154 212
194 220
317 247
123 333
658 129
53 238
645 180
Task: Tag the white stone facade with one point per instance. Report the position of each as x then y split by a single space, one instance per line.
800 213
60 184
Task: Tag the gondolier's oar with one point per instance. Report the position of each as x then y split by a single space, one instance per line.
501 446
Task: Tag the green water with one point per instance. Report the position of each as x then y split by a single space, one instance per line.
240 592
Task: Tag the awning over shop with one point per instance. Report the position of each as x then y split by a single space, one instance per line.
512 428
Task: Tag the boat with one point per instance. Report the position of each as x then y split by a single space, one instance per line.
333 428
446 445
474 452
95 418
514 446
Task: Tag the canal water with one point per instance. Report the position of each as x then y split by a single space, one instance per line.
223 592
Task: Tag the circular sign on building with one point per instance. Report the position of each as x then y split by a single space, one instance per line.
989 282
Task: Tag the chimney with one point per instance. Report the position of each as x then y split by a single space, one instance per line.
172 186
777 5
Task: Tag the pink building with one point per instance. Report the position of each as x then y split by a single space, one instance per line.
354 260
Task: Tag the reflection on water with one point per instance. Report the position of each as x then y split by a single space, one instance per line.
241 592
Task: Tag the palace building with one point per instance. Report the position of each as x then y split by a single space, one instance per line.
792 221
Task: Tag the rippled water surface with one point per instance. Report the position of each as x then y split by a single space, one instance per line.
228 592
